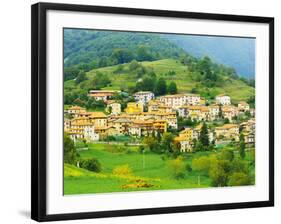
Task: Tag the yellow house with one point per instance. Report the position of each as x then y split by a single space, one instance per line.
249 137
160 125
185 140
153 105
121 125
133 107
76 110
243 106
66 124
229 112
82 128
227 132
214 111
99 119
187 133
198 112
165 109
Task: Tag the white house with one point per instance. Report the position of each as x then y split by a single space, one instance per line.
223 99
144 96
89 134
179 100
113 107
102 95
192 99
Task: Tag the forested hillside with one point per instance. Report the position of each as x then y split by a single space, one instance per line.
238 53
134 62
87 49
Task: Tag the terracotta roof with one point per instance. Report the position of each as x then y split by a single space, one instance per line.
76 108
185 130
100 94
97 115
143 93
122 120
104 91
243 103
228 126
180 139
220 95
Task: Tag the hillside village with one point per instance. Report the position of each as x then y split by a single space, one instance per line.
149 115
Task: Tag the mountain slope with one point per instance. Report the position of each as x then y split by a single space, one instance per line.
182 77
86 46
238 53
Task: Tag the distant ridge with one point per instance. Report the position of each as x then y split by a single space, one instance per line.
235 52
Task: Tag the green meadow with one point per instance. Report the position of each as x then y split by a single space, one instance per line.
150 171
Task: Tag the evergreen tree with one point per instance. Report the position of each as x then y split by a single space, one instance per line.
242 146
158 136
204 136
80 77
220 112
161 87
172 89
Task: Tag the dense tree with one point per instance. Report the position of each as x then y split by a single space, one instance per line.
252 101
121 56
91 164
172 88
167 141
133 65
223 169
81 77
144 54
239 179
100 80
119 69
146 84
70 72
201 164
178 167
151 142
103 62
226 121
186 122
227 155
158 136
69 151
161 87
218 174
252 82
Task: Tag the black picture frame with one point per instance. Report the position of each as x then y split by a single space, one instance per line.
39 122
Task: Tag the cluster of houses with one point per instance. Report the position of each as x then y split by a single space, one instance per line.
148 115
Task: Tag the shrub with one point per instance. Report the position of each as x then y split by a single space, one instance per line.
188 167
178 167
227 155
91 165
239 179
123 170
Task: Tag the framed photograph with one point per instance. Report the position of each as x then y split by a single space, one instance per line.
139 111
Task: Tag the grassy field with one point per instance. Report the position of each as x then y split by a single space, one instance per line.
149 168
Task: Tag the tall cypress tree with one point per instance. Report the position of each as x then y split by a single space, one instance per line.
204 136
242 146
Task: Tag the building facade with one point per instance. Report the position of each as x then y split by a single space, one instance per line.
143 96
